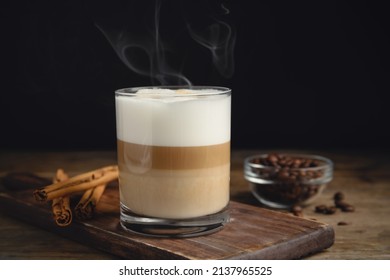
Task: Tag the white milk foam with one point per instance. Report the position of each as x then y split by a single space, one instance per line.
177 118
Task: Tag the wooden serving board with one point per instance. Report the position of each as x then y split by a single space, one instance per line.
253 232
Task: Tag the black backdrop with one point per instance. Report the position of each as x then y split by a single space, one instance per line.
312 74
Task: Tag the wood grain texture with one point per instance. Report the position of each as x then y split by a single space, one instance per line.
253 233
362 175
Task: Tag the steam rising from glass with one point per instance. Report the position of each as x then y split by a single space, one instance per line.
144 50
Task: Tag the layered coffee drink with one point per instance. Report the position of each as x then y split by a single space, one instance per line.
173 151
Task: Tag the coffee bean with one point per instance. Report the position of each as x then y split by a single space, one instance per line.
348 208
272 158
344 206
314 163
297 211
282 162
293 177
339 196
302 173
296 163
283 174
323 209
263 161
297 208
331 210
320 208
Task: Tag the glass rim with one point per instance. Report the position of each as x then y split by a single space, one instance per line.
131 91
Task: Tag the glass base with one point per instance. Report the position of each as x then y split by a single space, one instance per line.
176 228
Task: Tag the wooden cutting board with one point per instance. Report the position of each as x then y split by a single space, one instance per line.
253 232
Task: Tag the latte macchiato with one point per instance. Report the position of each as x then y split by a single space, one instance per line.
173 151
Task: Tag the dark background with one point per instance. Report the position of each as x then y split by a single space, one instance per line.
312 74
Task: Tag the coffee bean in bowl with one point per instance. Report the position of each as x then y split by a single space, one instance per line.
287 180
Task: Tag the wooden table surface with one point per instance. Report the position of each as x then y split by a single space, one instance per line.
364 177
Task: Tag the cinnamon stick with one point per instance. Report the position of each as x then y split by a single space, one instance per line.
61 205
78 183
85 209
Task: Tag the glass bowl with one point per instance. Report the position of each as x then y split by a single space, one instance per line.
287 180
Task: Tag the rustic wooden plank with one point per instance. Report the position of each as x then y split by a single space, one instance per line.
253 233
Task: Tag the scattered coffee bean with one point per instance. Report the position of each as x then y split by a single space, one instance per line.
297 211
338 196
345 207
323 209
342 223
349 208
340 203
320 208
331 210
